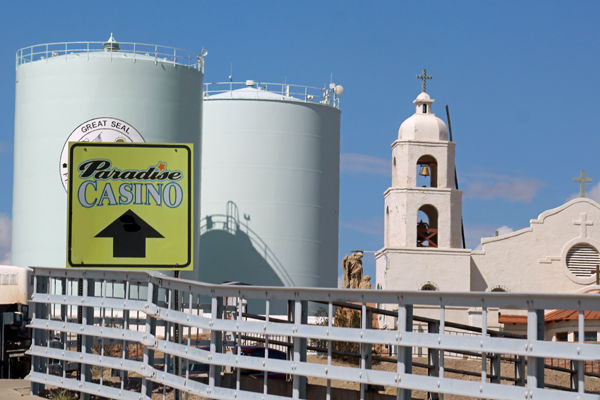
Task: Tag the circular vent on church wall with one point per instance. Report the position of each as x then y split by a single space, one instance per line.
582 260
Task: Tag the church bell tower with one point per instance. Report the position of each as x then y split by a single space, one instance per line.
423 208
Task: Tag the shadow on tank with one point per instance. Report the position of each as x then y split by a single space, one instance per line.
231 251
227 257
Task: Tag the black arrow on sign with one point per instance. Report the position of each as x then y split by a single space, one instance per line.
129 233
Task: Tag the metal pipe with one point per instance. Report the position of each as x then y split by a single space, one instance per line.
462 225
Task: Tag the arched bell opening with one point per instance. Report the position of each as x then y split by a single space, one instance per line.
427 226
427 171
429 286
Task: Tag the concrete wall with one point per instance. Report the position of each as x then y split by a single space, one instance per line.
411 268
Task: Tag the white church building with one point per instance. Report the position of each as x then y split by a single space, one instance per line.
423 245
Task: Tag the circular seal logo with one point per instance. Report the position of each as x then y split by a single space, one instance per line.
109 130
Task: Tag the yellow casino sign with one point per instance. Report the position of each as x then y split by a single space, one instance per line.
130 206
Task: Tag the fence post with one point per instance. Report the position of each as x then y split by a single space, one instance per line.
150 330
303 345
125 348
40 336
63 317
290 347
495 368
405 324
366 349
216 341
300 316
79 320
369 347
87 341
574 375
433 358
581 329
176 338
535 331
519 371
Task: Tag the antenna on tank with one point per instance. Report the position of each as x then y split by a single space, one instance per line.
231 80
111 44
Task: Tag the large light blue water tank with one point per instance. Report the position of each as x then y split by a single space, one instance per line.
270 185
92 91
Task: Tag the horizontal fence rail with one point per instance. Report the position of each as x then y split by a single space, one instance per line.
139 335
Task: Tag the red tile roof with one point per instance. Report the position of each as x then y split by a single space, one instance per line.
565 315
512 319
554 316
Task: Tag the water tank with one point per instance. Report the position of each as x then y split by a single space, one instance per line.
270 185
91 91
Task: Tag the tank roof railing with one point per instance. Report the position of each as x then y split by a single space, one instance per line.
162 54
308 94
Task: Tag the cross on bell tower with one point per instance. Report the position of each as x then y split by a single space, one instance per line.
582 179
424 77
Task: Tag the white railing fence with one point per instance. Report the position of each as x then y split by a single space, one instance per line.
134 335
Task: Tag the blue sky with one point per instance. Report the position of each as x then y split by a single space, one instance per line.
519 77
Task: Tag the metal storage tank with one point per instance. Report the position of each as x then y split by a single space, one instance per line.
270 184
92 91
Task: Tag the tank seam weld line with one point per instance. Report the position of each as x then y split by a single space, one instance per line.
267 168
293 240
246 132
267 203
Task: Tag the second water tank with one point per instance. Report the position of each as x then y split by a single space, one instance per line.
270 186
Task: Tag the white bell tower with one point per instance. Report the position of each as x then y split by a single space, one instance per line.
423 209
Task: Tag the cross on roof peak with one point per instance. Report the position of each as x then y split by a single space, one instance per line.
424 77
582 179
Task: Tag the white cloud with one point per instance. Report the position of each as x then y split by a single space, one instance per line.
5 238
365 164
503 230
593 193
370 227
340 281
490 185
474 233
